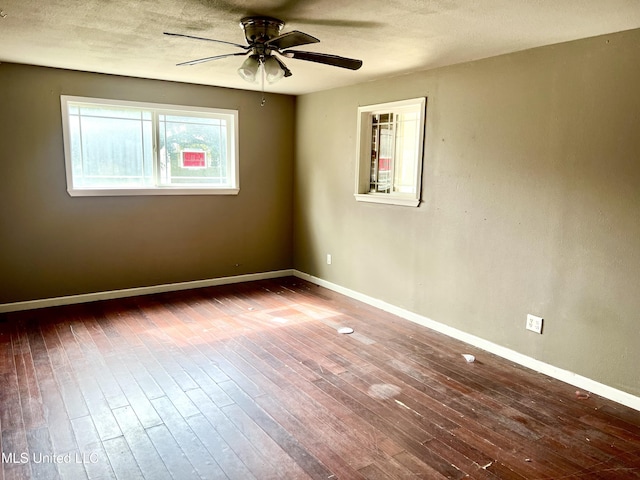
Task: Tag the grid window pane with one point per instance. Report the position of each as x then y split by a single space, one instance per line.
110 147
179 134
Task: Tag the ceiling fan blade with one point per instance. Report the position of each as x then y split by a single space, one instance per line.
287 72
244 47
291 39
350 63
208 59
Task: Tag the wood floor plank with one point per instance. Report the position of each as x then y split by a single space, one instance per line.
122 461
242 447
310 413
230 463
338 462
283 463
6 349
305 408
56 415
172 456
160 367
204 464
137 399
136 361
298 390
239 371
90 447
73 469
11 412
140 445
43 461
99 408
252 381
166 322
287 443
417 467
413 442
16 463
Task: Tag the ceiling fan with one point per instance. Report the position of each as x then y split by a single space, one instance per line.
263 40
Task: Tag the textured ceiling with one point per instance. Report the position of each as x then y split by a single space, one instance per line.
390 36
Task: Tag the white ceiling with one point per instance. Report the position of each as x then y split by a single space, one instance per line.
125 37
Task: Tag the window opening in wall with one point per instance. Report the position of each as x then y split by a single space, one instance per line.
390 152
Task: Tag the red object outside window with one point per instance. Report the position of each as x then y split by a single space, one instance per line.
193 159
384 164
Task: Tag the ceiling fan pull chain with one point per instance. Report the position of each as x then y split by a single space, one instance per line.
264 100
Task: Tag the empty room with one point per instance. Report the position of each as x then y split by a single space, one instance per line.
319 240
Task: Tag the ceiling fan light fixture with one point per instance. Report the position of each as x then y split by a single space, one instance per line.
273 70
249 69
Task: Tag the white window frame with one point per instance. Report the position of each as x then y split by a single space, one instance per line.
363 162
233 188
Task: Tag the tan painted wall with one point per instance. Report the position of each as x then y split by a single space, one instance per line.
531 203
53 245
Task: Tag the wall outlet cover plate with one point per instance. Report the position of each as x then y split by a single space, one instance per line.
534 323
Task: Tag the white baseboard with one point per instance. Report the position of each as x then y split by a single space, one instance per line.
132 292
566 376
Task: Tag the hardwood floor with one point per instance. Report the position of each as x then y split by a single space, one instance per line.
253 381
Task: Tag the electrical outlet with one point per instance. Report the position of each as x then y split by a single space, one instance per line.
328 259
534 323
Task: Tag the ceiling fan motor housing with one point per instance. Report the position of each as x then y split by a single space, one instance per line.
260 29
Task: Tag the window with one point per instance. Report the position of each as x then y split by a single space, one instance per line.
130 148
390 147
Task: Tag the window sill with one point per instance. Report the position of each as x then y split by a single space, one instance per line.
389 200
119 192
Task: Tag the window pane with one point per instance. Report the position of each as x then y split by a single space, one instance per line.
406 152
382 152
180 135
111 148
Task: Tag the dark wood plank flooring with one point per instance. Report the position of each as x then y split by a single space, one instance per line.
253 381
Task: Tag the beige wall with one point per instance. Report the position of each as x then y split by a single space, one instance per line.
531 203
53 245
